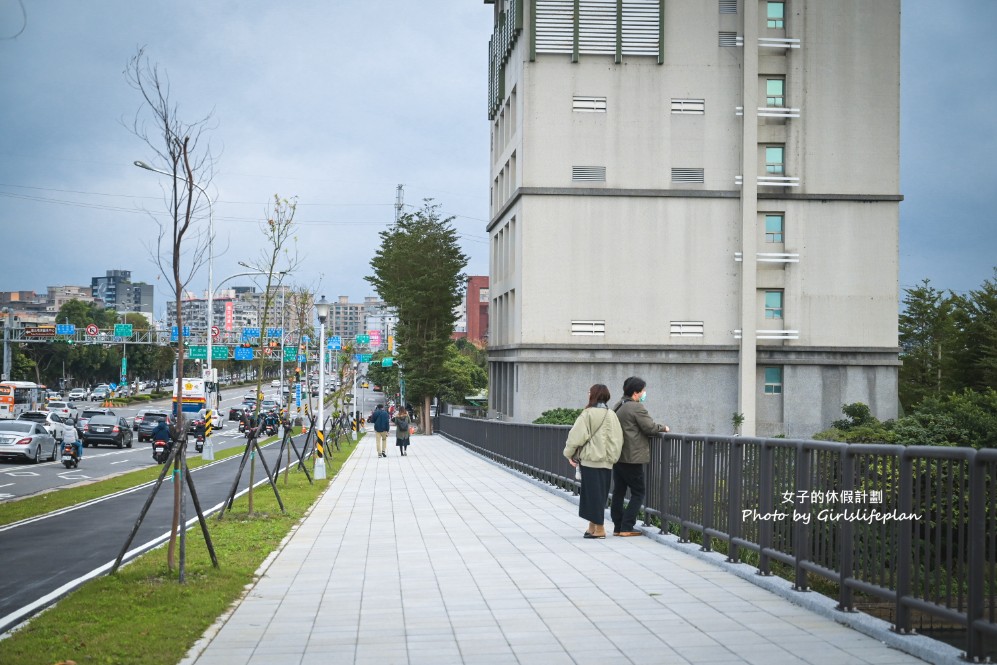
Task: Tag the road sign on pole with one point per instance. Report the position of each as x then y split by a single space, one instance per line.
122 330
92 330
65 329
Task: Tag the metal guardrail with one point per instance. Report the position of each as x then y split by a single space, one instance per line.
912 526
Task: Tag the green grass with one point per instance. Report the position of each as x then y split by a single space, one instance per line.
142 614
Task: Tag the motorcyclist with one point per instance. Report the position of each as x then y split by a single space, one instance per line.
70 436
161 432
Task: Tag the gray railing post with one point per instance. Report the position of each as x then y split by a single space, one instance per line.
977 554
846 542
709 491
801 529
734 501
666 473
765 498
685 489
904 539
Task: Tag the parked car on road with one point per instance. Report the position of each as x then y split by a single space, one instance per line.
26 439
149 422
107 429
52 422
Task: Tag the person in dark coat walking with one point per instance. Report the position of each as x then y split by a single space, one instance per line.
382 424
402 424
628 473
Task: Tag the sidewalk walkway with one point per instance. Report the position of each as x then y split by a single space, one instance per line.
442 557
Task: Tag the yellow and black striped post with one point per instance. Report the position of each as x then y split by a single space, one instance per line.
319 454
207 422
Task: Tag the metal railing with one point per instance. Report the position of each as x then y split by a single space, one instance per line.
915 526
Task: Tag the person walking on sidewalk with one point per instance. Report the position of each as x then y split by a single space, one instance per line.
628 472
595 441
381 426
402 423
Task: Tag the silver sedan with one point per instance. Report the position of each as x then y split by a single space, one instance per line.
23 439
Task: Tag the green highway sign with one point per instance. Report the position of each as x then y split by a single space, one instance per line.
363 339
219 352
197 352
122 330
290 354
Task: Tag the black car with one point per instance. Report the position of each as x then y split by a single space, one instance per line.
149 422
235 413
107 429
87 414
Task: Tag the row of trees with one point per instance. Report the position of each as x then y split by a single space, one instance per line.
948 341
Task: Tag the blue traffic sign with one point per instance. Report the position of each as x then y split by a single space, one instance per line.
250 333
65 329
275 332
243 353
302 358
112 386
334 343
173 333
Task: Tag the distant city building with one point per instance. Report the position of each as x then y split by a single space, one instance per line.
694 193
476 312
241 307
60 295
116 290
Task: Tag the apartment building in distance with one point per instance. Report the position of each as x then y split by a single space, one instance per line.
117 291
704 194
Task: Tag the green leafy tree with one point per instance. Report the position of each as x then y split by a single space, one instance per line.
976 317
385 377
464 377
928 344
418 270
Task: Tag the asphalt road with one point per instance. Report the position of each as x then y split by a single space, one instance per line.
44 558
18 480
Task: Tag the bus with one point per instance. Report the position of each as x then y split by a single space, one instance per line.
16 397
197 394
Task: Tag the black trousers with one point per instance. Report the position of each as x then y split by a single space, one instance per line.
626 476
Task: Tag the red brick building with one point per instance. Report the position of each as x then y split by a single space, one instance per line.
477 308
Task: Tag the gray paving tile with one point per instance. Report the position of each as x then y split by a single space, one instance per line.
424 565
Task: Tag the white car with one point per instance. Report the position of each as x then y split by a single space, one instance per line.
78 394
275 383
52 422
64 409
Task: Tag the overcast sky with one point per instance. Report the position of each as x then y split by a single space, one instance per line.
339 102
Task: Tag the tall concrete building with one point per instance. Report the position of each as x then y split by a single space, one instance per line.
116 290
703 193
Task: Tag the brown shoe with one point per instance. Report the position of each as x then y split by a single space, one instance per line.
630 534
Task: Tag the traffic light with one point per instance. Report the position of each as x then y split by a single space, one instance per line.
297 376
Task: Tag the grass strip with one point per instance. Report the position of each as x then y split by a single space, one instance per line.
142 614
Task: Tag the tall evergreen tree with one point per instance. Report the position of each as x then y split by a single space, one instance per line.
928 344
419 271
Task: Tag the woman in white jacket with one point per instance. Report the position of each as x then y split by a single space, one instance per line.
595 441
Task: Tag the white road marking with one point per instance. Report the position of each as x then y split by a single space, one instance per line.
7 485
23 473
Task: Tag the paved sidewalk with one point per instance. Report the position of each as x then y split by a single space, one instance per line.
442 557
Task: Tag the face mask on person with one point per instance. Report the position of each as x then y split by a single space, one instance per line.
643 396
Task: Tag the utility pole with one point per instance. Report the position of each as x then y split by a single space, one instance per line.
399 202
6 343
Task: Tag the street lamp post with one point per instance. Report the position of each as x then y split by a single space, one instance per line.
211 243
322 310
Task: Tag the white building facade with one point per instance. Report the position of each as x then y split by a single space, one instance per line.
704 194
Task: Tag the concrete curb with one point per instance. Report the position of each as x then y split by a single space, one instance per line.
920 646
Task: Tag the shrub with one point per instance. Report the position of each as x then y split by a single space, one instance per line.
562 416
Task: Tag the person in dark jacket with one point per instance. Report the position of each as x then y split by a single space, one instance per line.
628 473
402 423
382 424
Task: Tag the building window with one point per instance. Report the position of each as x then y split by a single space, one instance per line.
773 304
774 92
589 327
774 228
773 380
728 6
775 162
588 104
776 14
689 106
588 174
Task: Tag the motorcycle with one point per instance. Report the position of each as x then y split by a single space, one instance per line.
69 457
199 441
161 450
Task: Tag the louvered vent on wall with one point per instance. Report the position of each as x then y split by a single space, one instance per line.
689 106
589 104
730 39
588 327
688 175
588 174
638 31
728 6
686 329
